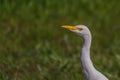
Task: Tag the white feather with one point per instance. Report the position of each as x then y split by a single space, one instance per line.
89 71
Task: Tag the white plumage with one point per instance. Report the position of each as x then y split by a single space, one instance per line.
89 71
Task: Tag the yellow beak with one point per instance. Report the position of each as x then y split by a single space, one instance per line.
70 27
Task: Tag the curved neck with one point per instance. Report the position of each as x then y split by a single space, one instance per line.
87 65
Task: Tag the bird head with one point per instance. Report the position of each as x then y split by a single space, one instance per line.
81 30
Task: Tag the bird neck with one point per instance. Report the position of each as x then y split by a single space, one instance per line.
87 65
87 42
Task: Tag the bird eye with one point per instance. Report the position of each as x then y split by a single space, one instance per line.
80 29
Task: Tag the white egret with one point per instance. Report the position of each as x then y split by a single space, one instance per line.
88 69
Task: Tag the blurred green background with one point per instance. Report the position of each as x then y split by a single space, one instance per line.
33 46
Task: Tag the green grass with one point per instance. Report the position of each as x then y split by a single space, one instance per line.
33 46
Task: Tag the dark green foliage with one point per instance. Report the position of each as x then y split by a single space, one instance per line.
33 46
